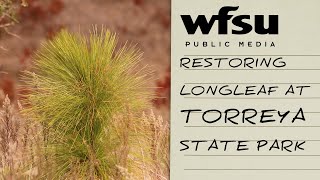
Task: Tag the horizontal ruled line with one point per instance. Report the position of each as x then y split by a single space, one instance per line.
215 112
254 69
250 98
311 140
252 169
301 55
250 155
252 126
246 83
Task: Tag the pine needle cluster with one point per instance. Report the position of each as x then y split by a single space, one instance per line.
77 86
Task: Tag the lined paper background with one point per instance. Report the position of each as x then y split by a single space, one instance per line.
298 43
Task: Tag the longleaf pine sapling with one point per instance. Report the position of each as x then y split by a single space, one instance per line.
77 85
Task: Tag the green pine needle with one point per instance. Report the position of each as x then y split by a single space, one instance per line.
77 85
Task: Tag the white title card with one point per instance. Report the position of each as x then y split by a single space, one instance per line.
245 97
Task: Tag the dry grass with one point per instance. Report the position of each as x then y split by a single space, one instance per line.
143 152
145 149
20 143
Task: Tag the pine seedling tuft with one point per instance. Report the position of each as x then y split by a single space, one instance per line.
77 86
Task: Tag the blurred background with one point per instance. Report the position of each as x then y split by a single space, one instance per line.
25 24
